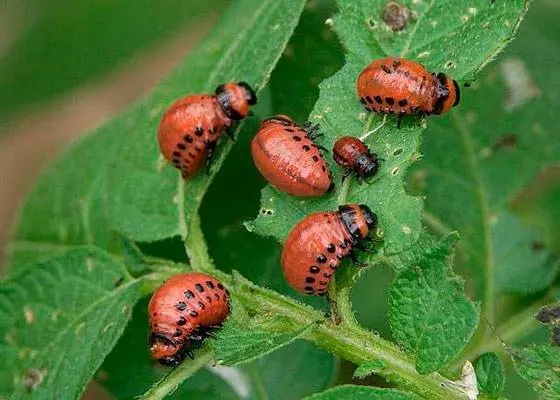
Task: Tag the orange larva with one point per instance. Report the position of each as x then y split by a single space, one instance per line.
287 157
315 246
404 87
182 312
190 128
353 154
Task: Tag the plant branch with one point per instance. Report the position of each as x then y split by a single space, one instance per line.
348 341
196 248
169 383
515 328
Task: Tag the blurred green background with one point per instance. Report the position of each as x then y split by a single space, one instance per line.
67 66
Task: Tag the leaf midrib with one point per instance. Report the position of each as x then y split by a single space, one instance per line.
474 171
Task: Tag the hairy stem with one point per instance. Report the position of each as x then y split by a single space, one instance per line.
350 342
515 328
169 383
196 248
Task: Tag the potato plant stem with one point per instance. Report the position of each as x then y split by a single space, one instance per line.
350 342
346 340
171 381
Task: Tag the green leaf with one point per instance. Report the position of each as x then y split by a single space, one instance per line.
539 365
454 44
227 54
128 370
294 94
291 373
113 180
523 264
471 169
428 310
65 44
536 205
490 374
238 343
59 321
351 392
368 368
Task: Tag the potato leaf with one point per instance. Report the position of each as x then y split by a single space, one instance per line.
59 320
114 179
428 310
444 36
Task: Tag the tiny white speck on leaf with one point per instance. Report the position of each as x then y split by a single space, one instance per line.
485 152
473 10
329 22
28 314
406 230
80 328
107 327
275 27
423 54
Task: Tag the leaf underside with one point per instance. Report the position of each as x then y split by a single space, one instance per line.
60 320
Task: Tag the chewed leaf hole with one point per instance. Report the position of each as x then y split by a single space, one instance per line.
371 23
266 211
395 171
397 152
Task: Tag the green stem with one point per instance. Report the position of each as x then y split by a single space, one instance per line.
350 342
258 386
196 248
347 340
170 382
517 327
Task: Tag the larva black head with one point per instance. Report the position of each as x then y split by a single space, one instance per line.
235 99
358 220
250 94
165 349
370 217
366 165
457 93
447 94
